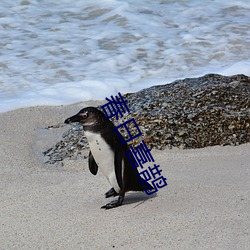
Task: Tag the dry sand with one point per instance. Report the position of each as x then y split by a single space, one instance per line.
205 205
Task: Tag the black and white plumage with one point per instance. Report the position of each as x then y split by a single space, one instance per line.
107 153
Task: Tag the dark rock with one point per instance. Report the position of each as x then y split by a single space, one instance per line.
190 113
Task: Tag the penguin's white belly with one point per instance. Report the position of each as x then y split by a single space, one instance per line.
104 157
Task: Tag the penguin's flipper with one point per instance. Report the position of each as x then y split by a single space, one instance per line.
93 167
111 193
113 204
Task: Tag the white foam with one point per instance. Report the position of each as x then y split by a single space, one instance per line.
242 67
61 52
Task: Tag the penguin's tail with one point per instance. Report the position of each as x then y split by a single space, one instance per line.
146 186
137 183
142 185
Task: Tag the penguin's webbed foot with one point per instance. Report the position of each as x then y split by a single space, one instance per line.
113 204
111 193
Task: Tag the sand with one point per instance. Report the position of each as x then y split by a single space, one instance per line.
205 205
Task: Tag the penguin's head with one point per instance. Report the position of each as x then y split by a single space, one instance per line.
88 117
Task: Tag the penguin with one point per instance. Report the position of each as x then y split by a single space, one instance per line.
107 153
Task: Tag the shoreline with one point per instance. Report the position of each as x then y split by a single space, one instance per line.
205 205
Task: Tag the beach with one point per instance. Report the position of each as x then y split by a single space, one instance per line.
57 57
57 206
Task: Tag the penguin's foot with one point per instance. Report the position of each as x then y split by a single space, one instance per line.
113 204
111 193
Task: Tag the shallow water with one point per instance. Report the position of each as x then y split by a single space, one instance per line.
59 52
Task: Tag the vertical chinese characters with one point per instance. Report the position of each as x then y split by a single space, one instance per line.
140 154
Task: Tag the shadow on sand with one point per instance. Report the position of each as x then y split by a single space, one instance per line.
137 198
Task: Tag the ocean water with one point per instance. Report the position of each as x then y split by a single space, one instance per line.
61 52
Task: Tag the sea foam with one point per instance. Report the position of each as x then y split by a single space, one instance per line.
63 52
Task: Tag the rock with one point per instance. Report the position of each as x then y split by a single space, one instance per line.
190 113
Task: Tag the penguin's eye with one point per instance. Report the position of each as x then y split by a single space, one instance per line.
84 115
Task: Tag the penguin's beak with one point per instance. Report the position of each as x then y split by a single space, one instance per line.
74 118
